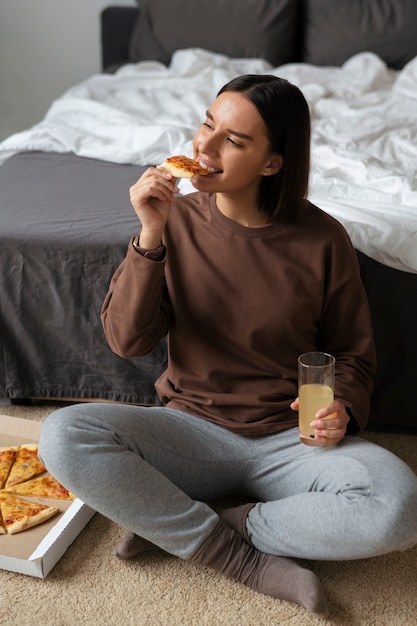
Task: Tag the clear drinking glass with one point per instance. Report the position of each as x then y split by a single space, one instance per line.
315 390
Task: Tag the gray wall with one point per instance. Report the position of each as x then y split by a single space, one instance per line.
46 46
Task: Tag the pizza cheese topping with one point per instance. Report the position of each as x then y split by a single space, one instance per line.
184 167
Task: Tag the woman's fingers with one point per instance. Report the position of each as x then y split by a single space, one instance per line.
153 184
331 423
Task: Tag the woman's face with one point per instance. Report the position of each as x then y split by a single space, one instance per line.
233 144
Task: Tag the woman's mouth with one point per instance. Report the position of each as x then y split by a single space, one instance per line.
210 169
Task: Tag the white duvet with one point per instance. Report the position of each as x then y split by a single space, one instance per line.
364 139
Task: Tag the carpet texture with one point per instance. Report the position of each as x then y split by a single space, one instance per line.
89 586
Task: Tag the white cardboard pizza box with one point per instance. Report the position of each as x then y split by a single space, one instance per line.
35 551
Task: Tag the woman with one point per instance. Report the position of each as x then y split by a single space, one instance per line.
243 276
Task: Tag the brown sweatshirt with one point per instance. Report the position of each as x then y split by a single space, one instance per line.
239 305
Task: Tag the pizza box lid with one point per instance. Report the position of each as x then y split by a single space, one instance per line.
35 551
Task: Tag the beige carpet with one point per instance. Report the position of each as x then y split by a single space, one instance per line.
89 586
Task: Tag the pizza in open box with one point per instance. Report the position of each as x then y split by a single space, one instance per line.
22 473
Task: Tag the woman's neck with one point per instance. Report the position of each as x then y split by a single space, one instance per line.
243 211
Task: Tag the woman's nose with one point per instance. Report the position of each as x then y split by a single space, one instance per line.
208 144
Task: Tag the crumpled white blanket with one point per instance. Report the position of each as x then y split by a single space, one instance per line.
364 133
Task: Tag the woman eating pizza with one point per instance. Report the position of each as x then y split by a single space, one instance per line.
243 276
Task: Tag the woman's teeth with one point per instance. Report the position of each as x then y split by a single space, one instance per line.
211 170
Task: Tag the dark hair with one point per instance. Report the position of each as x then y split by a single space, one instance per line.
287 119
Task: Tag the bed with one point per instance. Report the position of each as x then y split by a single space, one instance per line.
65 214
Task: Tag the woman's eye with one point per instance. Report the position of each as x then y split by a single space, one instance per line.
235 143
207 125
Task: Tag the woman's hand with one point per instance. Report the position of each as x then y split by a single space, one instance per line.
151 197
330 423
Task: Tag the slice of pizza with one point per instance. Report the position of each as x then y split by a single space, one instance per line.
184 167
43 487
27 465
19 514
7 458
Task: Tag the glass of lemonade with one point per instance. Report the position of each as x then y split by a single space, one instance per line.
315 390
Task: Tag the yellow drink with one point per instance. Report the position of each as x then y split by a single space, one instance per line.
312 397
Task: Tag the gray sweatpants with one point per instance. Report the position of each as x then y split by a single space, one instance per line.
153 469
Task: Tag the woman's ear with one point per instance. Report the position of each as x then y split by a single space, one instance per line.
274 165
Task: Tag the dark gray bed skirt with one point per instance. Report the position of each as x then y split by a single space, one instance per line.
65 224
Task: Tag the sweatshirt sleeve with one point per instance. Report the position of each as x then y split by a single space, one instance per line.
346 332
136 312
